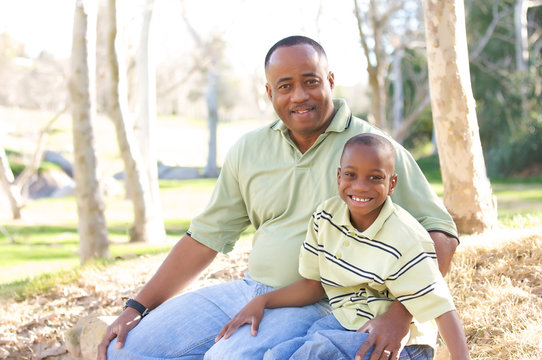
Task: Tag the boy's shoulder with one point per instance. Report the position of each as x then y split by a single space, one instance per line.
403 226
332 205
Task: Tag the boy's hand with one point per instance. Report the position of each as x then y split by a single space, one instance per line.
252 313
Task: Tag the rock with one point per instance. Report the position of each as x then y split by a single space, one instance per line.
178 173
171 173
82 340
57 158
45 184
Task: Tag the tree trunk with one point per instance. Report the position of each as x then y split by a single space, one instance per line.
92 229
12 192
134 176
398 98
211 169
521 34
146 122
376 57
467 191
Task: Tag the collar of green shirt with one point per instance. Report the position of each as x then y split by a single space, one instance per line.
343 218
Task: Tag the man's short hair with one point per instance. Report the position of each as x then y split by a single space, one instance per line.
295 40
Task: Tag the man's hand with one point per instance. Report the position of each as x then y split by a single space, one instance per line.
119 329
388 333
252 313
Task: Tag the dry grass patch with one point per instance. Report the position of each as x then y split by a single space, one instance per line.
496 281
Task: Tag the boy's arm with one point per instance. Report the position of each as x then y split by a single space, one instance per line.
387 330
452 333
300 293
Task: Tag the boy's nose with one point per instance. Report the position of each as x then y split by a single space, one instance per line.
360 184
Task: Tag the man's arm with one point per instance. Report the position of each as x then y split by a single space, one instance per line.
387 331
445 246
185 262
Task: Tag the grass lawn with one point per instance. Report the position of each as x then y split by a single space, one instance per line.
519 201
46 240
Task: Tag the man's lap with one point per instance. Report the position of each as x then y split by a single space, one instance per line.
327 339
185 326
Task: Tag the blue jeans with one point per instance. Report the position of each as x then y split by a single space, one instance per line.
327 339
185 327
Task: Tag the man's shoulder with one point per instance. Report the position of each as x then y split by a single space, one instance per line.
257 136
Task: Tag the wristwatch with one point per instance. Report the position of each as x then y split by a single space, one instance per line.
140 308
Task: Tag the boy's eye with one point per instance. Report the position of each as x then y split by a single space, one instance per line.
375 177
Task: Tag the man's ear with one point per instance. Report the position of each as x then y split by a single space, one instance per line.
338 175
269 92
331 79
393 184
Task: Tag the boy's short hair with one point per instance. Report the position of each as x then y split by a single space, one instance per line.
370 139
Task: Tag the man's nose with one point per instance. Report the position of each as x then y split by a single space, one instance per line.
299 94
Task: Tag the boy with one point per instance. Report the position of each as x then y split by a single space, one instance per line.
363 252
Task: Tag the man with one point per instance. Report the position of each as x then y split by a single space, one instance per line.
273 178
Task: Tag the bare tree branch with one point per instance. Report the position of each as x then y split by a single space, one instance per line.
363 38
399 134
195 67
497 16
34 165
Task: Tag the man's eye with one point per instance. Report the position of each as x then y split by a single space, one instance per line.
284 86
312 82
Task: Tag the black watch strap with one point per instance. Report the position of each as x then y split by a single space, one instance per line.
141 309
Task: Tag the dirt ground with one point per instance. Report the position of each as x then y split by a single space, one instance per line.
34 328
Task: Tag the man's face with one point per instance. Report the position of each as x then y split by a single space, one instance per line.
365 179
299 85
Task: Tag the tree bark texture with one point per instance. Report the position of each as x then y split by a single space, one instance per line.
211 169
135 177
93 237
467 191
146 120
12 191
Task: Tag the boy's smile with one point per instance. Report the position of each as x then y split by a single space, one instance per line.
365 179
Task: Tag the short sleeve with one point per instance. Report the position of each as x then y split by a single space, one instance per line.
308 255
417 283
220 225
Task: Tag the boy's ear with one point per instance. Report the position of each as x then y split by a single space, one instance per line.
393 183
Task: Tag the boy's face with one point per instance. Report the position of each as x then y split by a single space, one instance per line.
365 179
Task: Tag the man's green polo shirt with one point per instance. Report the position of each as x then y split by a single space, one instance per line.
267 182
364 272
